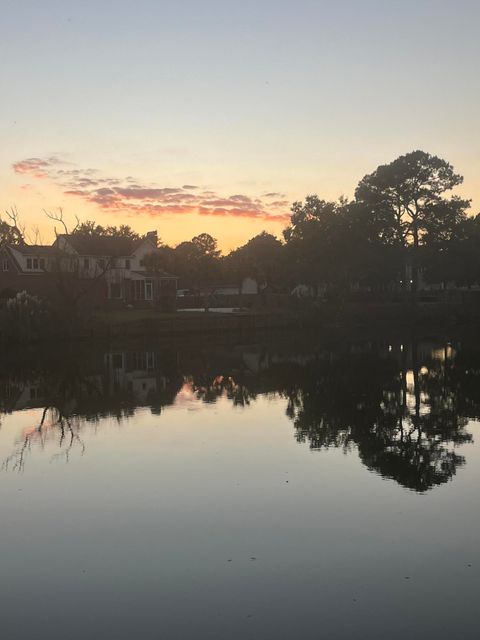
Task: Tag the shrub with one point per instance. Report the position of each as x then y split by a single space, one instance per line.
25 318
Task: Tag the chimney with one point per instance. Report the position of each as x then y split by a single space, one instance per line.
152 236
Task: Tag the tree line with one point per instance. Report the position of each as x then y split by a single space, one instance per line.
402 222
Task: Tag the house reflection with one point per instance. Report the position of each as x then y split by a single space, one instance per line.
92 386
134 373
16 396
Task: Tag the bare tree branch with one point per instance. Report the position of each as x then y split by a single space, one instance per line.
58 217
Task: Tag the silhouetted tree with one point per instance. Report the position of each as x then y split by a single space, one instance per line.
339 244
406 197
92 229
260 258
197 261
11 229
456 257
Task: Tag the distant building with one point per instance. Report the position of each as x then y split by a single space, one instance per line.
248 286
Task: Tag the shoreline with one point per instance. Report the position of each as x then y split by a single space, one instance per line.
371 319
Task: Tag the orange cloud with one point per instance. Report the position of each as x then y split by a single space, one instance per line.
127 195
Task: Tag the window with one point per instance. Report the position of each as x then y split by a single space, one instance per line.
101 263
35 263
117 361
127 263
86 263
29 263
5 265
150 360
115 290
42 263
148 290
139 361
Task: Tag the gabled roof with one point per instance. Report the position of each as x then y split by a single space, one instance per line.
86 245
34 249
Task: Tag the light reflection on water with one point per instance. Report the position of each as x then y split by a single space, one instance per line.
185 493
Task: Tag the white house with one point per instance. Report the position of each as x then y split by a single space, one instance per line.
117 263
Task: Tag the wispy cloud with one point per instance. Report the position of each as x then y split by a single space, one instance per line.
37 167
128 195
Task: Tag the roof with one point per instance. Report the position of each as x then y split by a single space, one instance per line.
154 274
102 245
34 249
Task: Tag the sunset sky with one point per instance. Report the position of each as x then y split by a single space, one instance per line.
199 115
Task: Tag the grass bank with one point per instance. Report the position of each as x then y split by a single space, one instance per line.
374 316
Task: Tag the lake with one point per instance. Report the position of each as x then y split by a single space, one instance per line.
261 488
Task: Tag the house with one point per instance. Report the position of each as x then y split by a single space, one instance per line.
27 268
111 269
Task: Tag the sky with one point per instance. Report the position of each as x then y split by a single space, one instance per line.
193 116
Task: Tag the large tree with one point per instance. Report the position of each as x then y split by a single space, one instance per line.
206 246
337 243
309 216
407 198
310 241
196 261
261 258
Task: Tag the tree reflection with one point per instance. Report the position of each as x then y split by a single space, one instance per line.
66 430
81 390
403 418
210 390
403 408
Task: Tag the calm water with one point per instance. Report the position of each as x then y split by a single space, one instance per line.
252 490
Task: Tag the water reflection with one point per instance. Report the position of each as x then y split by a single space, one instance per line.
404 407
402 417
